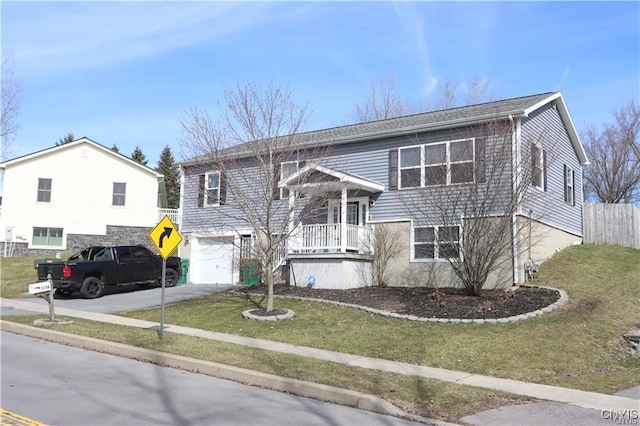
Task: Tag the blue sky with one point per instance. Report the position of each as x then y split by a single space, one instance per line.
124 72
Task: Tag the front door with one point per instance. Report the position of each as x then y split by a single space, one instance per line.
356 212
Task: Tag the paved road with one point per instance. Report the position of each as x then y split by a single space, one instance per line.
554 413
61 385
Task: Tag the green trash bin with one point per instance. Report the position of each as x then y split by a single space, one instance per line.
185 271
250 271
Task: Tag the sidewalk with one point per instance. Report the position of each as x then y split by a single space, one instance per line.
576 398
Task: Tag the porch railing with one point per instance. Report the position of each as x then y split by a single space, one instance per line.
174 214
328 238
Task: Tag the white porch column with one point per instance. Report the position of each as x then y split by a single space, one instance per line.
343 219
292 204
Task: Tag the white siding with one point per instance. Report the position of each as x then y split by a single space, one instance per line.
81 197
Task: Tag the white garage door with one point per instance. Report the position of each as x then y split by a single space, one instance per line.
211 261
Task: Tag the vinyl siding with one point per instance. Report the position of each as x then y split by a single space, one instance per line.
367 159
549 207
224 216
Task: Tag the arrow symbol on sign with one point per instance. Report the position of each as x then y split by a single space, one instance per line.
165 234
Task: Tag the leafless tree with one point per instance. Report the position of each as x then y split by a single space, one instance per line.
386 244
12 95
254 145
466 213
449 93
384 102
614 152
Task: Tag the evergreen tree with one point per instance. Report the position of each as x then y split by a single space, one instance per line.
138 156
167 166
115 148
66 139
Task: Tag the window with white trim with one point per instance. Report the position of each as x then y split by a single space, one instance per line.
212 189
49 237
442 163
119 194
538 164
44 190
436 242
287 168
410 166
569 183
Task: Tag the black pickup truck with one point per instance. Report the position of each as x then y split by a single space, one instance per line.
96 267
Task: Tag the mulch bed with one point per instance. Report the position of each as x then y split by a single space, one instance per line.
429 302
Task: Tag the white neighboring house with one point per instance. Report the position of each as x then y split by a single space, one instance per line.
70 196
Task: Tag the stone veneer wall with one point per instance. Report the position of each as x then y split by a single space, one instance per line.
116 235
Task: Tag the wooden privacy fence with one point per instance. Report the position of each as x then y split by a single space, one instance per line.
616 224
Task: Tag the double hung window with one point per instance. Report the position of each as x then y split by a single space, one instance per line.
287 169
44 190
410 166
538 165
436 242
119 194
569 192
212 189
443 163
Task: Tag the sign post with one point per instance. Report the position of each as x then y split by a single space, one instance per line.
166 238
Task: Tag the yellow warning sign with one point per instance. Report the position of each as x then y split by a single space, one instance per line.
165 237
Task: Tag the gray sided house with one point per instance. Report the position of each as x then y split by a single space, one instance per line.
425 178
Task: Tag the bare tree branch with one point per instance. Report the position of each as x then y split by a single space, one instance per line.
466 212
614 173
386 245
12 95
384 102
256 143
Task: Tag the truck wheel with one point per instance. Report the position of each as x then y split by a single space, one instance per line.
91 288
170 277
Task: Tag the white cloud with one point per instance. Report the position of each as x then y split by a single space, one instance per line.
57 37
565 76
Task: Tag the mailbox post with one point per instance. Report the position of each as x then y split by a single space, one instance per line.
45 290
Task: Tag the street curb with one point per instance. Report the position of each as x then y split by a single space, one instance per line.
297 387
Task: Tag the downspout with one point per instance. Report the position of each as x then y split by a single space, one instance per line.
515 170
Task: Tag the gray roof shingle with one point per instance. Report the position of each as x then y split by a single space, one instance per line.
424 121
442 119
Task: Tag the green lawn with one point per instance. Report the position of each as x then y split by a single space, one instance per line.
579 346
16 273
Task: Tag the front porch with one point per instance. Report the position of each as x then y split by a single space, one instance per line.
336 254
338 271
330 238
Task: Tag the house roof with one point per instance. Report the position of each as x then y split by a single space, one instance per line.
437 120
350 180
80 141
